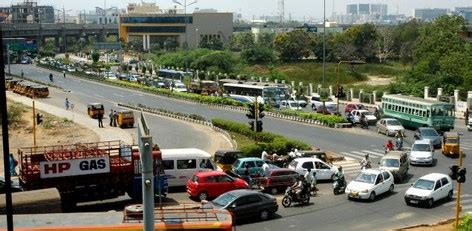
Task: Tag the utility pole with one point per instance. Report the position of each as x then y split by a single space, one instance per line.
34 124
459 191
324 41
145 149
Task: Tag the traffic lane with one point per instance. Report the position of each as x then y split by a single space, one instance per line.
322 137
164 130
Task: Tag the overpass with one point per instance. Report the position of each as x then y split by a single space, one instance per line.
39 32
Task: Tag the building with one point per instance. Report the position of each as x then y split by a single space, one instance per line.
352 9
165 25
465 12
379 9
428 14
28 12
101 16
364 9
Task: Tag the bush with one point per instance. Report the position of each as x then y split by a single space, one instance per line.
466 223
330 120
14 114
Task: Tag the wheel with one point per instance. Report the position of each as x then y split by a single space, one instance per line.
202 196
306 200
372 196
286 201
391 188
264 215
273 190
400 179
378 130
450 195
335 192
430 203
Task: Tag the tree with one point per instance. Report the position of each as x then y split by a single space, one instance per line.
211 43
216 61
385 43
294 45
405 36
242 41
258 55
266 40
95 57
363 38
170 44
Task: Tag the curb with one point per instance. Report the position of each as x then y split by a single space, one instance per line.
442 222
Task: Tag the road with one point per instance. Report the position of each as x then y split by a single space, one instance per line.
330 212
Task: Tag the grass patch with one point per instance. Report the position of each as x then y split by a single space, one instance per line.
15 113
242 141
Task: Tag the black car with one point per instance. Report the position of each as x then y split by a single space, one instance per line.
15 185
244 203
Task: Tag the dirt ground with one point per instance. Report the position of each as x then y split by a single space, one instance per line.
441 226
376 80
52 131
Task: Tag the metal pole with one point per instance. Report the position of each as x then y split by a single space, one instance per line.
458 202
8 56
186 36
324 41
337 98
34 125
145 148
6 146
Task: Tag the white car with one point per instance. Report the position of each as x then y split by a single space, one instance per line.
290 104
422 153
469 124
389 126
315 101
429 189
369 184
371 119
71 69
179 87
324 171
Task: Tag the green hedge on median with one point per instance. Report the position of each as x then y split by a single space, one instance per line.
268 141
328 119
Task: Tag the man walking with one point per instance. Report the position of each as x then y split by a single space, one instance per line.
67 103
466 115
64 73
100 120
111 115
115 118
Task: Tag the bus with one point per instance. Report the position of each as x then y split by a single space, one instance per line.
173 74
417 112
270 94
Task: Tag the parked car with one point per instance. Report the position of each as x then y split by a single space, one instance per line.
422 153
369 184
302 103
371 119
389 126
278 179
324 171
397 163
211 184
328 109
290 104
27 60
430 188
254 163
15 185
354 106
244 204
71 69
315 102
179 87
428 133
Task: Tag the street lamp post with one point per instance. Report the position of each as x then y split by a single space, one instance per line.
324 41
196 38
338 84
186 22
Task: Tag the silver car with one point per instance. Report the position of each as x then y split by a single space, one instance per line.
422 153
389 126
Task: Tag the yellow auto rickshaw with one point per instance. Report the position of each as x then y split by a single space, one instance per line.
225 158
451 144
95 109
125 119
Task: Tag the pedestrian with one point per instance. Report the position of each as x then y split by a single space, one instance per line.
115 118
100 120
111 115
22 73
64 73
466 115
67 103
13 163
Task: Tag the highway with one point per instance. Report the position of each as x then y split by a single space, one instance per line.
329 212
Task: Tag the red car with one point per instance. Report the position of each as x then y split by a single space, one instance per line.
278 179
211 184
354 106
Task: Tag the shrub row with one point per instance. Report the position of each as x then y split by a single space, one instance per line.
330 120
268 141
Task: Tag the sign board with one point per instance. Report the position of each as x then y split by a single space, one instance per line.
76 167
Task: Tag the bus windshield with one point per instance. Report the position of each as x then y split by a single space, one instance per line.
442 110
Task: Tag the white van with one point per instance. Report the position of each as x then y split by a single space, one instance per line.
180 164
324 171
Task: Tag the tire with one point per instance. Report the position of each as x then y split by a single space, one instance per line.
286 201
264 215
430 203
335 192
450 196
390 190
372 196
202 196
273 190
400 179
306 200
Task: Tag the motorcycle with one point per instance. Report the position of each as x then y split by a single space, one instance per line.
290 196
365 165
399 144
339 185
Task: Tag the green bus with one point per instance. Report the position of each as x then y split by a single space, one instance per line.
417 112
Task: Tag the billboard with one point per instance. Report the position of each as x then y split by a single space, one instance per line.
75 167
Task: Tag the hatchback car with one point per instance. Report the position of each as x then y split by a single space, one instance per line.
254 164
371 119
244 204
354 106
369 184
422 153
290 104
324 171
389 126
430 188
427 133
210 184
278 179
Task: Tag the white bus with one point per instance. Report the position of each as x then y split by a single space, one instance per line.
247 93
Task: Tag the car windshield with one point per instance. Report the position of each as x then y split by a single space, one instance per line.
293 104
367 113
452 140
393 123
224 199
424 184
421 148
236 163
390 163
366 178
429 132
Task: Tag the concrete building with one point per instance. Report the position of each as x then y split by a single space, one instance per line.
379 9
101 16
428 14
351 9
164 25
364 9
28 12
465 12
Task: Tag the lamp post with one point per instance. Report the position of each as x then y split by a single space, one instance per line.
196 38
186 22
338 84
324 41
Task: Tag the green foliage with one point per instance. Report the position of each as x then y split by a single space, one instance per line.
362 39
212 43
242 41
258 55
95 57
14 114
266 40
465 223
330 120
217 61
294 45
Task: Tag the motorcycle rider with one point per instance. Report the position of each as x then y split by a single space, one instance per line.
51 78
377 113
365 163
339 176
389 146
399 135
363 121
298 187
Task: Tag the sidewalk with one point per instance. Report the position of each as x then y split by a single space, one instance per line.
105 134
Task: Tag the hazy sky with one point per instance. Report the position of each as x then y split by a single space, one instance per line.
249 8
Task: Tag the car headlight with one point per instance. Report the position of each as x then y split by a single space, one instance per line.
365 191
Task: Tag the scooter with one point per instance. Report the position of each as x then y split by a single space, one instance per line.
399 144
290 197
365 166
339 185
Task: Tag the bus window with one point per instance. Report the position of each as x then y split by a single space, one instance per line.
427 114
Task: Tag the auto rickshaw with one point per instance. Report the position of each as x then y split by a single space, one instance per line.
125 118
225 158
451 144
94 109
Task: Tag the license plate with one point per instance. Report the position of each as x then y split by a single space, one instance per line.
414 202
354 194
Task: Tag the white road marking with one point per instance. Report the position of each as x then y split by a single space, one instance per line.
119 95
352 155
97 95
374 153
402 215
378 150
454 202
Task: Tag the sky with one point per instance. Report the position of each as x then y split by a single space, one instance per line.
298 9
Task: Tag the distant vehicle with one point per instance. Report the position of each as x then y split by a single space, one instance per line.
245 204
324 171
254 163
122 76
133 78
204 87
270 94
15 185
451 144
354 106
211 184
417 112
71 69
179 87
329 109
397 163
226 158
469 124
26 60
90 72
430 188
422 153
315 101
389 126
173 74
302 103
369 184
290 104
94 109
371 119
125 118
426 133
278 179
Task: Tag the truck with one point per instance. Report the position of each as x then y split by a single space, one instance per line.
85 172
204 87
